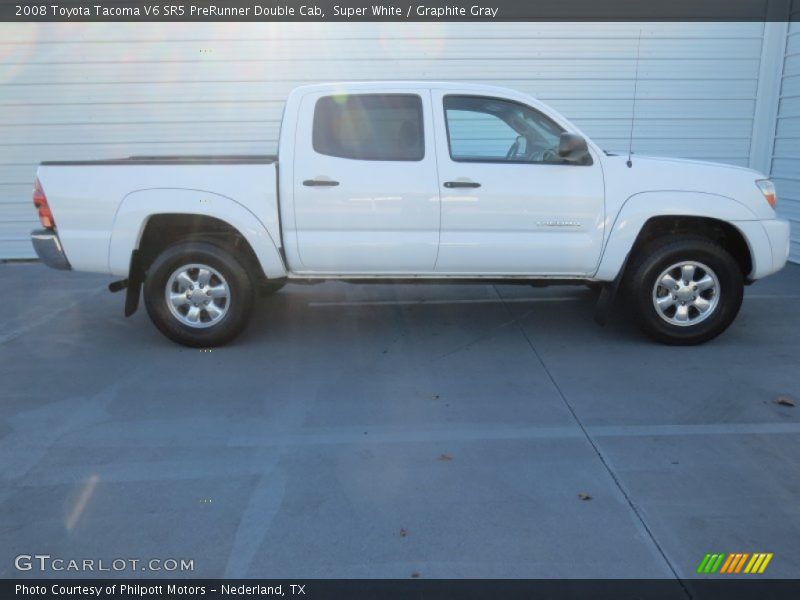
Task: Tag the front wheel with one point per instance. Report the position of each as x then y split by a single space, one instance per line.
198 294
686 290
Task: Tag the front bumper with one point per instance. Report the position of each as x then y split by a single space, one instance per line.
779 234
768 241
49 249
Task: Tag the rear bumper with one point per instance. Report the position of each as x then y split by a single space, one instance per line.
49 249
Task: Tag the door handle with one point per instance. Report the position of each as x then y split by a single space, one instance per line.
461 184
320 182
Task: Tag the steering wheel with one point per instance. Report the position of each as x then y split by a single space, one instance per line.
550 155
512 150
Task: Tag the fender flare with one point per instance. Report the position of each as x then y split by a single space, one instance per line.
641 207
139 206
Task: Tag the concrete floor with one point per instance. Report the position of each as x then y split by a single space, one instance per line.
378 431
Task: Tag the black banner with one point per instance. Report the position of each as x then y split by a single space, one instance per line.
417 589
397 10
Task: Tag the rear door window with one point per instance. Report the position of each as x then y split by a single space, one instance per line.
370 127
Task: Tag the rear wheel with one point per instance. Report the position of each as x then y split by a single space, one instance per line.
198 294
685 289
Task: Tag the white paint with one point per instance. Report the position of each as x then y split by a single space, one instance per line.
382 216
348 230
102 210
500 227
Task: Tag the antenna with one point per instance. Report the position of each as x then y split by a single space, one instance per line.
633 107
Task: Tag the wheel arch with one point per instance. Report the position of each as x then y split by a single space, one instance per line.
162 230
647 216
723 233
144 224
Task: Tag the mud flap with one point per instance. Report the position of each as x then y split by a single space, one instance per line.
135 279
606 300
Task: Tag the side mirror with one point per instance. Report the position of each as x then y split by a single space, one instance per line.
573 149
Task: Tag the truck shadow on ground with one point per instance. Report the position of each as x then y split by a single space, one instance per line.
356 313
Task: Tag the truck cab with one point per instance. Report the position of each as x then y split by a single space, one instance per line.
447 181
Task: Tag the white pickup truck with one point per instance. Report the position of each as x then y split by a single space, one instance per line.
414 181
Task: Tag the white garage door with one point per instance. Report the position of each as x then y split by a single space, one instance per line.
77 91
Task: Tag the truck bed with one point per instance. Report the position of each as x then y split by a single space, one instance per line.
102 205
200 159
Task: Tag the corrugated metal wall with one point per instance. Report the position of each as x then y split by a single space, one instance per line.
786 155
72 91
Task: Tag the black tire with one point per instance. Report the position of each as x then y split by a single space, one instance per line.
237 305
726 298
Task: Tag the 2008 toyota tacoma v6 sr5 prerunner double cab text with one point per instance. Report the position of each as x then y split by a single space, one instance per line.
414 181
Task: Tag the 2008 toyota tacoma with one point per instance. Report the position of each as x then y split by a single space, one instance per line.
423 181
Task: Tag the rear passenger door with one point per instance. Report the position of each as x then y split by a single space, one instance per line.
365 185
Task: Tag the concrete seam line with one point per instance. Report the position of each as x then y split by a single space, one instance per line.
596 448
14 334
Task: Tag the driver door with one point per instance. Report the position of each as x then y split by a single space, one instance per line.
510 206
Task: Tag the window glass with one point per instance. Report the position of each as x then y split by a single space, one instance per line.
369 127
495 130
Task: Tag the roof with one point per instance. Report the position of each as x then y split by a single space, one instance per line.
411 84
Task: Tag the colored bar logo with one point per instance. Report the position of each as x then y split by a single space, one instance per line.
735 562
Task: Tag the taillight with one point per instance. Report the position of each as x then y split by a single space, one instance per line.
40 202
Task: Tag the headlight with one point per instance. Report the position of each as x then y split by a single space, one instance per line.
768 189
